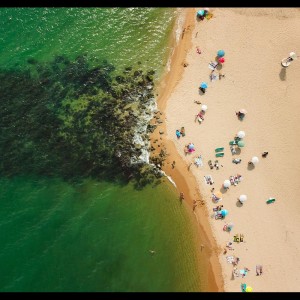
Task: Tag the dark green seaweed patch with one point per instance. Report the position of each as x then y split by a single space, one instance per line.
74 120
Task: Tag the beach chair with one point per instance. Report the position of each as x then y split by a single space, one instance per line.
210 164
219 149
220 154
235 142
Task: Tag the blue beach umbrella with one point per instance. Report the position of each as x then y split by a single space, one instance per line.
200 13
203 85
221 53
224 212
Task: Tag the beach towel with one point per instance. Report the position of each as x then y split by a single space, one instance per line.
213 77
230 259
219 149
212 65
220 154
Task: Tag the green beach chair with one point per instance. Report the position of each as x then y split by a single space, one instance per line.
220 154
219 149
233 143
271 200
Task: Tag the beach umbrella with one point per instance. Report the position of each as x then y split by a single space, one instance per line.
241 134
243 198
293 55
226 183
204 107
218 195
200 13
224 212
254 160
241 144
249 289
221 53
191 146
243 111
221 60
203 85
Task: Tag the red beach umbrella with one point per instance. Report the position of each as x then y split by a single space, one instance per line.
221 60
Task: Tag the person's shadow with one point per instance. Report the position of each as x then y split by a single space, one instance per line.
282 74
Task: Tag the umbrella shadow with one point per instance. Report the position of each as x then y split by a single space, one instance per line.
219 65
201 92
237 151
239 204
250 167
282 74
223 190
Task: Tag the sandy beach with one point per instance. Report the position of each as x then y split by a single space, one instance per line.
255 40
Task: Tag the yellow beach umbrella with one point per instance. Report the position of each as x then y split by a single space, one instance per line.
218 194
249 289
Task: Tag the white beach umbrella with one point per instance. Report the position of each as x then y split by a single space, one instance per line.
241 134
204 107
226 183
293 55
243 198
254 160
243 111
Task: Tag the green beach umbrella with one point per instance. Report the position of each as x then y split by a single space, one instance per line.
241 144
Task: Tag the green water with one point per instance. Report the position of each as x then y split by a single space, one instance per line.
92 236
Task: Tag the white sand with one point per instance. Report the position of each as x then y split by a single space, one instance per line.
255 41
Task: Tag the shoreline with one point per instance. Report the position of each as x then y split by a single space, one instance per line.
184 179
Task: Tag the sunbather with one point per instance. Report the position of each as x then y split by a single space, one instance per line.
216 164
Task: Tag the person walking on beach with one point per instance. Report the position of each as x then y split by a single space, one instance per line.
265 154
181 197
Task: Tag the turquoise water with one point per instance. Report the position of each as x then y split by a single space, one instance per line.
93 235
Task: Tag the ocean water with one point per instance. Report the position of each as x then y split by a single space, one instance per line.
92 235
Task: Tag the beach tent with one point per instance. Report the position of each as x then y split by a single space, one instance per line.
221 53
203 85
226 183
241 134
242 198
241 144
254 160
204 107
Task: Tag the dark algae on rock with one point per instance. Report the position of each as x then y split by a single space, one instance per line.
76 119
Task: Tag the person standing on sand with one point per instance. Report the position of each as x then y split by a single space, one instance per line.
181 196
